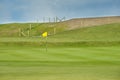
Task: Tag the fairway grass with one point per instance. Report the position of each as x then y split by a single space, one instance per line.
60 63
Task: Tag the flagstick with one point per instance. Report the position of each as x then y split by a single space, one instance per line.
45 36
46 44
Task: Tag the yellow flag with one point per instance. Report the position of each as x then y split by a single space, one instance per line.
44 34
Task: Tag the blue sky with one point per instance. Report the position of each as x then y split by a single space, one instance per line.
33 10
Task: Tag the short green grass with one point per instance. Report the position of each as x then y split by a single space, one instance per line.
60 63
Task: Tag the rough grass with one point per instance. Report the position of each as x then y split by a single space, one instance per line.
61 29
109 32
12 30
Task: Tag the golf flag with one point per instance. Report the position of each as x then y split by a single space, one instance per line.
44 34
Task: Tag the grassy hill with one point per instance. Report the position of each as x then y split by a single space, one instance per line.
62 33
108 32
12 30
103 35
88 22
35 29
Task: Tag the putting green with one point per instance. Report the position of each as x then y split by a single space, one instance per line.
60 63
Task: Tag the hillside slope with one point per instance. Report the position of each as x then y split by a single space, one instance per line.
102 35
87 22
108 32
36 29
